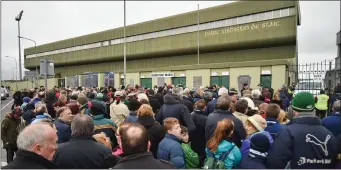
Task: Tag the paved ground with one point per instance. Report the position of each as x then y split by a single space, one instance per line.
5 108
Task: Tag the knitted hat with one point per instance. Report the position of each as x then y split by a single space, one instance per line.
233 91
259 142
82 100
258 122
26 99
96 108
303 101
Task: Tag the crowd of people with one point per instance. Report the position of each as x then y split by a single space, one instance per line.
171 127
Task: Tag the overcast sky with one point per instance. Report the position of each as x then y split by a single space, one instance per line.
49 21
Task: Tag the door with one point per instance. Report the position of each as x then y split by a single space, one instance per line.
215 80
225 80
146 82
179 80
61 82
265 80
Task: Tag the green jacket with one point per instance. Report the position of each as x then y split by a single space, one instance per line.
191 158
10 129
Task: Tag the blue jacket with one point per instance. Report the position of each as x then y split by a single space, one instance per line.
254 160
173 107
63 131
273 126
132 118
304 144
170 150
239 133
333 123
233 159
246 143
107 126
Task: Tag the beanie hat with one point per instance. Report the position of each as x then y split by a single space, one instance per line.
258 122
118 93
259 142
82 100
222 91
74 107
96 108
303 101
26 99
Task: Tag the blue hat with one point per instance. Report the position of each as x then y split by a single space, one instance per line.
26 99
260 143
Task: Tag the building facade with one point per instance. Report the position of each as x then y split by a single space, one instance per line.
244 41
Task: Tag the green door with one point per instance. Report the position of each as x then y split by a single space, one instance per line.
179 80
265 80
225 80
146 82
215 80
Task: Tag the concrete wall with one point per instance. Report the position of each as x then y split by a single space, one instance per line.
205 73
254 72
278 76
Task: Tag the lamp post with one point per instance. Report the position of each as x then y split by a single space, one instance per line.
16 74
18 18
124 48
35 46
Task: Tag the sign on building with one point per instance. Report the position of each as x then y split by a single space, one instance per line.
161 75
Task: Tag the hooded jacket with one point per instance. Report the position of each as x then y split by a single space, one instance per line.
211 105
132 118
9 131
63 131
233 159
304 144
170 150
107 126
239 132
333 123
155 132
174 108
254 160
118 112
198 143
29 160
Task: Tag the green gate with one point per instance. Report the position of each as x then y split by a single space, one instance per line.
221 80
179 80
265 80
146 82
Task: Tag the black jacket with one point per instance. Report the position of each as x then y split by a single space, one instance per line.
81 153
155 104
174 108
159 96
142 161
188 104
29 160
239 133
198 138
155 132
305 143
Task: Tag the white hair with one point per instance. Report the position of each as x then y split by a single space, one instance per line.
33 134
178 91
40 104
141 96
256 93
222 91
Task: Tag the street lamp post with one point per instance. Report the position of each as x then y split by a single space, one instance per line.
124 48
18 18
16 74
35 46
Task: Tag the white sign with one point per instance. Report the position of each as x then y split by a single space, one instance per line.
182 75
161 75
225 73
266 72
317 77
214 74
142 77
122 76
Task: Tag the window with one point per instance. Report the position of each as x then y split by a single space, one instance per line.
197 81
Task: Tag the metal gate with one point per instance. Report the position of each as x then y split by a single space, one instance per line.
89 79
313 77
72 81
109 79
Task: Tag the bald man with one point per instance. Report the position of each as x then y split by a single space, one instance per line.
136 151
37 144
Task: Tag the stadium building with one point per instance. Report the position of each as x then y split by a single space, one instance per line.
244 41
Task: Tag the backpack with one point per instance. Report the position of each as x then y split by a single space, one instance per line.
212 163
191 158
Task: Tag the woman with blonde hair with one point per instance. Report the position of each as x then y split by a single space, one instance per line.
103 139
282 117
156 133
220 148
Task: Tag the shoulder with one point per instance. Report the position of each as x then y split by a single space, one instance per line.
166 164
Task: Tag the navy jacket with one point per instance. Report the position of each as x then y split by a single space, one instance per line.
174 108
63 131
211 106
333 123
253 160
239 133
198 143
132 118
273 127
170 150
305 143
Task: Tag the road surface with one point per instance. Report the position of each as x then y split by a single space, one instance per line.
5 108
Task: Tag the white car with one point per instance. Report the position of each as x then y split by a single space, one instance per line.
3 94
313 87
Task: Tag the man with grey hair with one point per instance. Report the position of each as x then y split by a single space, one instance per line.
255 94
173 107
82 151
304 143
221 112
37 144
333 121
41 112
